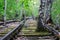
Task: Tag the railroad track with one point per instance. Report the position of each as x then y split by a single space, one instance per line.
11 32
14 33
11 21
29 34
7 22
35 38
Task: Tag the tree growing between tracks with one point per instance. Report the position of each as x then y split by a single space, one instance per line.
44 14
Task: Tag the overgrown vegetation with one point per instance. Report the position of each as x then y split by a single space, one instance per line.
18 7
28 7
56 11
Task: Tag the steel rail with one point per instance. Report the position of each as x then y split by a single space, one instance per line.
14 32
11 21
7 22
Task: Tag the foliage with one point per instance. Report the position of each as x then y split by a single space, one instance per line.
1 8
18 7
56 11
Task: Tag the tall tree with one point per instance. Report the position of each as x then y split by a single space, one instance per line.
44 14
5 7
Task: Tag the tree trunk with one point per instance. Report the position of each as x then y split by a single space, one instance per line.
44 15
5 7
